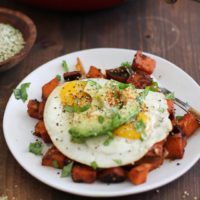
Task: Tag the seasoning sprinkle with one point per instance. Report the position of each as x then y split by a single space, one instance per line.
11 41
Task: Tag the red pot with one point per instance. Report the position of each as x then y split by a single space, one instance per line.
73 5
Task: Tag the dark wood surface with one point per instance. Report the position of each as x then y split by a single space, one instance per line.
170 31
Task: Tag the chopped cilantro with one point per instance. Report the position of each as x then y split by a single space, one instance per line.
154 87
126 64
179 117
140 126
108 140
65 66
100 102
66 171
101 119
83 109
118 162
78 140
143 137
75 108
116 119
170 96
123 86
55 164
160 109
21 93
58 77
69 109
143 94
94 165
36 148
93 83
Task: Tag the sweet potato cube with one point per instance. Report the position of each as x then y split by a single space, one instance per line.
41 131
33 109
94 73
175 146
79 67
83 174
188 124
143 63
49 87
170 105
140 79
70 76
41 108
54 158
138 175
120 74
112 175
154 157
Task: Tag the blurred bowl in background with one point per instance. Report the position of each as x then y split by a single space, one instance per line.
26 26
72 5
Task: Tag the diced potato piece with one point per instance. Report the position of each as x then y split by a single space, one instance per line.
188 124
144 63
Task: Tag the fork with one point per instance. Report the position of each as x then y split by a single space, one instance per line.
183 105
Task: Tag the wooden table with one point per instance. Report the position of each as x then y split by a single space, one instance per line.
170 31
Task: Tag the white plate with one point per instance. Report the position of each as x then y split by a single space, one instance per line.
18 126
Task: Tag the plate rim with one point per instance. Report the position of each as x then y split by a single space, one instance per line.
88 193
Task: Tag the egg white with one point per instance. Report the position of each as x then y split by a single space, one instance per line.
120 151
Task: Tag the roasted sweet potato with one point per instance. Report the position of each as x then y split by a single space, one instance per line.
175 146
41 108
94 73
41 131
156 150
35 109
54 158
188 124
140 79
79 67
143 63
154 162
70 76
170 104
154 157
83 174
112 175
138 175
120 74
49 87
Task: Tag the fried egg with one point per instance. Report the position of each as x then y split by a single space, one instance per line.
105 122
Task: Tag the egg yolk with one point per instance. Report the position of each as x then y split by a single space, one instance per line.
73 94
128 131
142 116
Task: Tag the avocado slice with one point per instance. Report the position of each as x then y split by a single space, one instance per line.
102 118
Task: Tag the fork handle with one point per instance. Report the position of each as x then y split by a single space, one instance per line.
195 112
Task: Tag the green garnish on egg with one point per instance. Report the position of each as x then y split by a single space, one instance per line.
101 119
140 126
118 162
77 109
94 165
